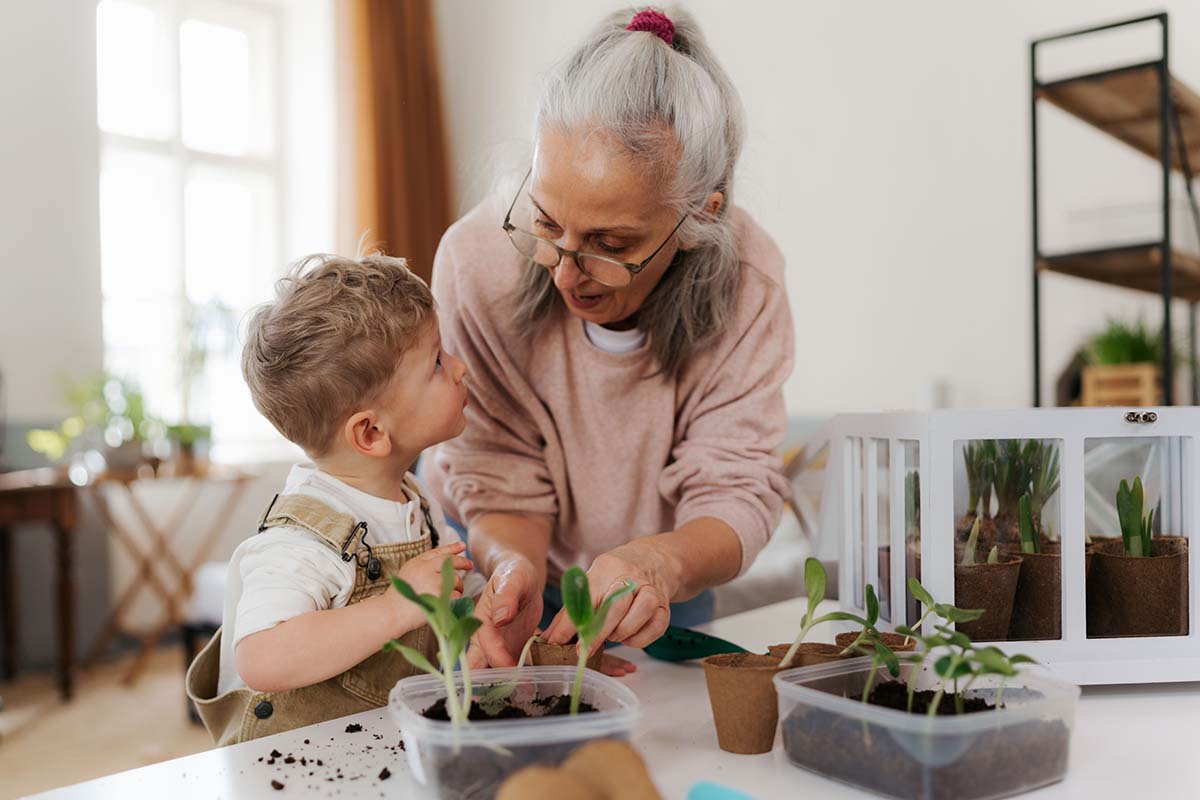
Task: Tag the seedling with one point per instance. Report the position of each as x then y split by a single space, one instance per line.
957 657
588 620
1044 481
979 460
968 556
1031 542
453 622
1136 530
814 584
912 505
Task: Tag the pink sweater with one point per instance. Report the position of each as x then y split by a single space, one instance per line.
557 426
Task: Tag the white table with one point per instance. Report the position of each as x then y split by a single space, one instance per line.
1129 741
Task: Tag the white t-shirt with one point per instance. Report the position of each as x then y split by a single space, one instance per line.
287 571
616 342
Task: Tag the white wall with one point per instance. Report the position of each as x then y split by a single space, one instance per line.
49 195
888 154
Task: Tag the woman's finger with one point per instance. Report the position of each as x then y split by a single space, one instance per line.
561 628
451 549
616 612
461 563
640 612
495 653
652 630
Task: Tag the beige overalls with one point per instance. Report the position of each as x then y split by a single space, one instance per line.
243 714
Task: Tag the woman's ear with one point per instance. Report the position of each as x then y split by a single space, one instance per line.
714 204
712 207
364 434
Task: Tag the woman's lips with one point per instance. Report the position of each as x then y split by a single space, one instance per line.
585 301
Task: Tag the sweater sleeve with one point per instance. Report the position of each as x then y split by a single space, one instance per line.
726 463
497 465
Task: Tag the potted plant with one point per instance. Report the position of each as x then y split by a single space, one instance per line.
1016 462
979 459
1122 366
463 737
740 691
989 586
1037 605
967 721
190 446
1138 584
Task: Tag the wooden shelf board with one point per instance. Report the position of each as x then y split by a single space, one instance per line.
1134 267
1124 104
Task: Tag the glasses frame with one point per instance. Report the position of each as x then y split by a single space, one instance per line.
633 269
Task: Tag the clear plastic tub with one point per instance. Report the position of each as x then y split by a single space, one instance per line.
474 759
891 752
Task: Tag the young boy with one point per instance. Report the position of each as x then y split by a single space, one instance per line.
347 363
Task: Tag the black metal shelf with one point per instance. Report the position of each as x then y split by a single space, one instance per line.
1144 106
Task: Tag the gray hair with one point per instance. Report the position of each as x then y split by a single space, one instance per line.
674 108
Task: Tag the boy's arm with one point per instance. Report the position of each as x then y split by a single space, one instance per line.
321 644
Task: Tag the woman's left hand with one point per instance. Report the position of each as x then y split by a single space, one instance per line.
637 618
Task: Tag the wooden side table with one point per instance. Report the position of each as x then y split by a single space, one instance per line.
173 598
40 495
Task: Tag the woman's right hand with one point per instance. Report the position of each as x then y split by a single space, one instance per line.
510 608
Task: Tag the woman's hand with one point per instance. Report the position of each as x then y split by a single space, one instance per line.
510 608
637 618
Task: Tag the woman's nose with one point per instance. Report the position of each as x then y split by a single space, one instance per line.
567 275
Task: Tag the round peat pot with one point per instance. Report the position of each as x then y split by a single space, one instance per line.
897 642
1139 595
990 587
1037 605
744 706
561 655
810 653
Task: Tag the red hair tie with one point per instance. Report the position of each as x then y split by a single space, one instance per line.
656 22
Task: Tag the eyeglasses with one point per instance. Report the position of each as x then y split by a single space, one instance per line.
546 253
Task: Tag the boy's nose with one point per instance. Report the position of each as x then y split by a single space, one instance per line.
460 369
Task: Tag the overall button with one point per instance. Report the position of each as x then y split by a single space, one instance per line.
264 709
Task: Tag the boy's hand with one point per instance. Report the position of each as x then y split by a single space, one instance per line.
424 574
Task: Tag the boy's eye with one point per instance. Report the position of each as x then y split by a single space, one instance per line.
438 361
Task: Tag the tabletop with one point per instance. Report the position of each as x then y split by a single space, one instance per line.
1129 741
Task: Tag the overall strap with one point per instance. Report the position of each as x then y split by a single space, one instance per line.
338 530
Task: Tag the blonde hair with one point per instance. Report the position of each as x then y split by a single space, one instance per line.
330 341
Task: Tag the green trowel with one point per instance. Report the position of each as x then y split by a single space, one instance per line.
684 644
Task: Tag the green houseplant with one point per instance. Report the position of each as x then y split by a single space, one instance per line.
1138 583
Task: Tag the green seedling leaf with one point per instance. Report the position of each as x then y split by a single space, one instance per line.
968 556
592 629
994 555
952 614
1020 658
1029 538
814 584
885 655
994 661
460 634
414 657
493 699
954 637
462 607
424 601
950 668
577 597
920 593
872 603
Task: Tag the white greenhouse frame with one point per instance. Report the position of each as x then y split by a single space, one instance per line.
847 517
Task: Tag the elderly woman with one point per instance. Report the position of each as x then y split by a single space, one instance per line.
628 334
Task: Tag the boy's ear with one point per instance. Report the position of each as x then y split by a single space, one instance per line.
363 433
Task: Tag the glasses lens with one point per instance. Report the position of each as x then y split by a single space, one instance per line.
604 271
534 247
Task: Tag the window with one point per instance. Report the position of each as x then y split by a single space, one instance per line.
190 105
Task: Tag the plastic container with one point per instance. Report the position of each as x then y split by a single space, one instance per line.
971 756
472 760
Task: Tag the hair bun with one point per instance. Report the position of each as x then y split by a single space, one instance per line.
653 21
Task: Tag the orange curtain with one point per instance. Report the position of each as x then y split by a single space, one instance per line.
394 186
